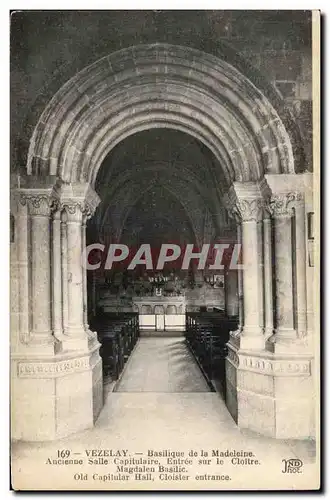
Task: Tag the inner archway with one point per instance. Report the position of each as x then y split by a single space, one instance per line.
157 188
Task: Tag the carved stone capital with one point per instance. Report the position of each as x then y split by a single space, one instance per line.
281 205
76 210
38 204
78 200
249 209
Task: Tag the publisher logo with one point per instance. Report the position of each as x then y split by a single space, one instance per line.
292 466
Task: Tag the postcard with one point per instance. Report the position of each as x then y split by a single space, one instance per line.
164 250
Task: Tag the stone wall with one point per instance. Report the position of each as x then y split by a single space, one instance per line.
48 48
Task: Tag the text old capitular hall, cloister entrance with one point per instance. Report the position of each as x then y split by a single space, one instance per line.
253 183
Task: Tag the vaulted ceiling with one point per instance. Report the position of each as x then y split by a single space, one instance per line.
158 185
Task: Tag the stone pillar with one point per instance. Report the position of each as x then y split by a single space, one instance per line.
268 276
270 390
67 382
301 263
57 276
83 246
250 211
94 299
282 210
75 281
240 283
39 207
64 271
231 297
260 232
23 269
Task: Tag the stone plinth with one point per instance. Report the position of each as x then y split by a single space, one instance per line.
269 394
56 396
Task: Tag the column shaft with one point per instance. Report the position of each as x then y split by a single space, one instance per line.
23 267
250 279
240 283
41 270
300 231
261 275
284 284
75 275
57 276
268 277
231 289
83 246
64 272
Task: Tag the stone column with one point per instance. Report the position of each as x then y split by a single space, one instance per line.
84 270
94 293
250 211
23 269
240 283
231 298
260 232
64 272
268 276
39 206
77 201
300 231
57 276
282 210
75 328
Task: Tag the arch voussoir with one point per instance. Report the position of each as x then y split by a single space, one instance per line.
214 102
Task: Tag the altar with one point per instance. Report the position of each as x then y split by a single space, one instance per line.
161 313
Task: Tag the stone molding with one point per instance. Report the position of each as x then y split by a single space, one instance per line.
75 210
51 369
72 156
249 210
267 365
233 356
276 367
256 201
39 204
76 199
245 201
281 205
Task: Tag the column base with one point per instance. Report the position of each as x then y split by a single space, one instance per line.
39 343
270 394
78 339
282 341
248 338
53 397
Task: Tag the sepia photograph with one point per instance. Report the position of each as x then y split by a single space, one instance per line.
165 250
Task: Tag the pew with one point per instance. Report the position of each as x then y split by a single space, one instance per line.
118 334
207 334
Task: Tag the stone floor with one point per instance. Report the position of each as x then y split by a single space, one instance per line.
162 364
162 402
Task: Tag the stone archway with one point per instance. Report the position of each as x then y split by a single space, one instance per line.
129 91
159 86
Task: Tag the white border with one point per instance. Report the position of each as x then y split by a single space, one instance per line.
323 5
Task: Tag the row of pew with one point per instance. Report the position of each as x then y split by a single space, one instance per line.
207 334
118 334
